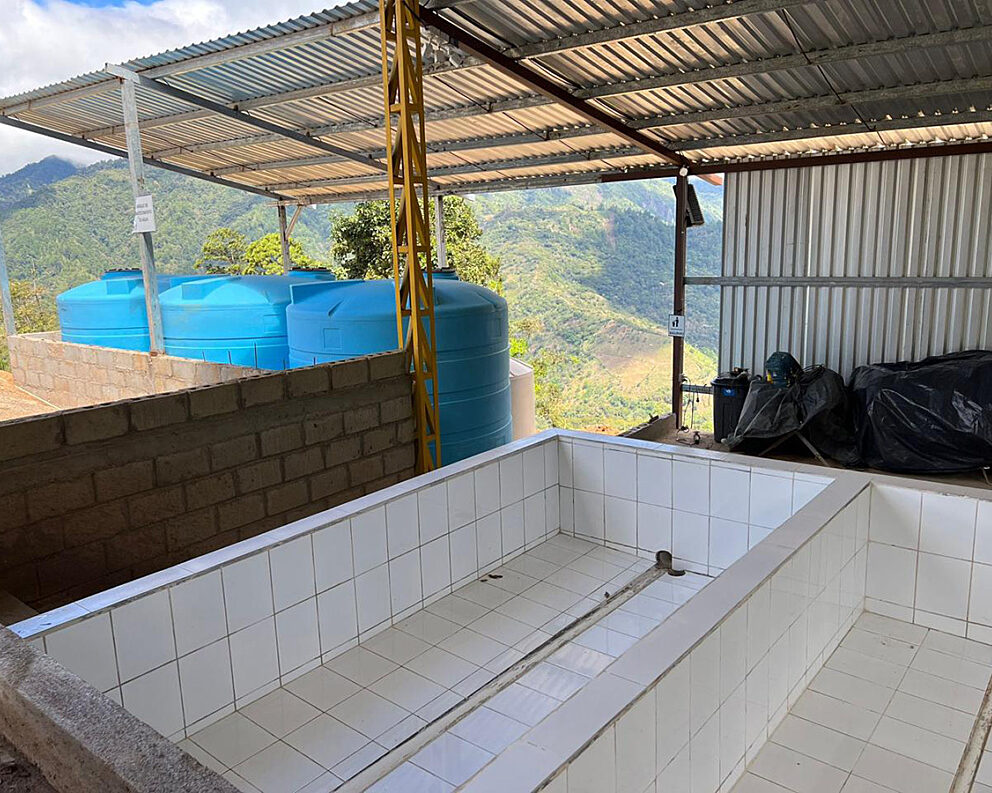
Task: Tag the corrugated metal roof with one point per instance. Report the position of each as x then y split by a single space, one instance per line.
750 79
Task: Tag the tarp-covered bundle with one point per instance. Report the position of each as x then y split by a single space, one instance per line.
932 415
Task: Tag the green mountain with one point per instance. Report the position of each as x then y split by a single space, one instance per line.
587 270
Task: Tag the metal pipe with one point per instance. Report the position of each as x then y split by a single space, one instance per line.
441 233
678 290
287 263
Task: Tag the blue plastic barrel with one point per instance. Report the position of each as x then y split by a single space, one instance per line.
237 319
111 312
346 319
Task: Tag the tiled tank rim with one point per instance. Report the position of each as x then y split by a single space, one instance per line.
404 751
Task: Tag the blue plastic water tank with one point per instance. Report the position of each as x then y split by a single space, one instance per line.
331 322
239 319
111 312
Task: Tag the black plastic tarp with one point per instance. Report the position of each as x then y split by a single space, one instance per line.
815 404
931 415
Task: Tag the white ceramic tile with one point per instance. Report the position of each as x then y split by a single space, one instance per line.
280 712
565 455
587 465
368 713
441 667
86 648
435 558
704 754
373 597
552 509
233 739
296 635
590 515
404 581
247 591
254 657
198 612
489 730
895 516
691 487
322 688
704 681
402 525
430 627
432 506
636 744
980 609
464 552
732 728
326 740
983 533
942 585
551 462
461 500
292 572
407 689
948 525
487 489
533 470
332 557
654 527
511 480
690 537
488 534
410 778
512 527
770 501
361 666
534 518
279 768
728 541
654 480
621 521
143 634
451 758
337 616
729 492
368 539
796 771
566 509
733 652
206 681
620 474
891 574
896 772
155 699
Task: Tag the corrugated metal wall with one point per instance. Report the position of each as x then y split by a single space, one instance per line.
923 218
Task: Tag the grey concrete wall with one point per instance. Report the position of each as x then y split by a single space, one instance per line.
76 375
91 498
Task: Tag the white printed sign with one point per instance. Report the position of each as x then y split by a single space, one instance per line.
676 324
144 215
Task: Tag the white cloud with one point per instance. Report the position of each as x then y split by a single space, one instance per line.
46 41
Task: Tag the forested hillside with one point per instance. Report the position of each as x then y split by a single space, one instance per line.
587 270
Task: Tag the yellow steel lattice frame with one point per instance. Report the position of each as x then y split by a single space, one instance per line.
403 90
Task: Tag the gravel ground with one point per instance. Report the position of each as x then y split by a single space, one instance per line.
15 403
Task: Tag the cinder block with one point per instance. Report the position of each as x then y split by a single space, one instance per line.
96 424
240 511
327 483
347 374
69 568
365 470
361 419
376 440
22 583
124 480
209 490
94 524
58 498
150 413
190 528
342 451
265 473
396 409
187 370
322 428
137 545
406 431
304 382
386 481
392 364
286 497
30 436
156 506
279 440
303 463
263 390
213 400
181 466
236 451
13 510
402 458
30 543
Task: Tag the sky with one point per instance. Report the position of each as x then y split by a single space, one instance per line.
46 41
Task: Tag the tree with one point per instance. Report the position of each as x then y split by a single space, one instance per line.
361 243
34 312
264 256
223 252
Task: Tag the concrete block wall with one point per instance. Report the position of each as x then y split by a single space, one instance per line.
91 498
74 375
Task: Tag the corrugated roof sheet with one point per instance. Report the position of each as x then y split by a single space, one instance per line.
751 79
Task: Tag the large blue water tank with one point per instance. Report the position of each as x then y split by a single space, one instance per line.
111 312
239 319
331 322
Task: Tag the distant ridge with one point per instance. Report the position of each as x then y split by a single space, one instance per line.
24 182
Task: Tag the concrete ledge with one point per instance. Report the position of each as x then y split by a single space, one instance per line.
81 741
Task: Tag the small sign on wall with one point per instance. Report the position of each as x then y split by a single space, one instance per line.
676 324
144 215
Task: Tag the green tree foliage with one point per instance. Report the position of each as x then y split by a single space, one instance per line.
361 243
34 312
223 251
228 252
264 256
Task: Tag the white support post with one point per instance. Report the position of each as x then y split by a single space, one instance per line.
6 304
137 165
287 263
440 232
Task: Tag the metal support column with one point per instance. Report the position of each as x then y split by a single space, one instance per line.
287 263
678 290
440 233
137 165
6 304
403 94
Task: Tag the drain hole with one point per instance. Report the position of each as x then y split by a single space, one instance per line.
664 561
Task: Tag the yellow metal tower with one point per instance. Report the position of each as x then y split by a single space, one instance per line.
403 89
